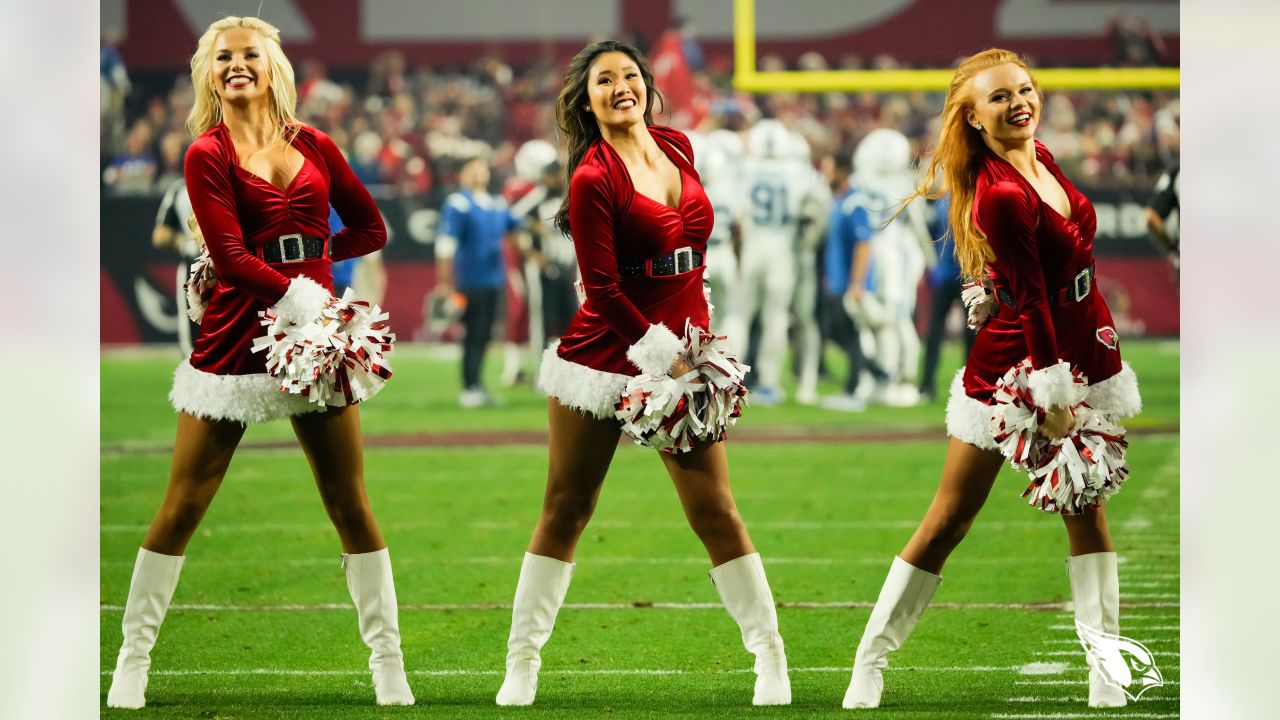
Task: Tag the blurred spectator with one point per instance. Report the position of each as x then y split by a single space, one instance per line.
132 170
1134 42
173 146
114 87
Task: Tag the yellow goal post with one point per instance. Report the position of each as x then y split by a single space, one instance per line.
748 79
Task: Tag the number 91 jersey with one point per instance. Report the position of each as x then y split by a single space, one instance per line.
772 193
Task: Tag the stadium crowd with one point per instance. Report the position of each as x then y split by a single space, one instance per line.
407 130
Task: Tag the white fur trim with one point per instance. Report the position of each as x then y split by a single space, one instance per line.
303 301
655 352
1117 396
1053 386
241 398
579 387
968 419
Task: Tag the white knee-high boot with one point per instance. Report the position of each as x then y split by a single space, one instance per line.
373 591
744 590
1095 594
154 578
907 591
539 594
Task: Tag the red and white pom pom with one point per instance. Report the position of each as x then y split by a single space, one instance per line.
199 288
1067 475
337 359
675 415
980 303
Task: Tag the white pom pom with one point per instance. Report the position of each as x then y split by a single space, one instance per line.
1067 475
199 287
339 358
677 414
980 304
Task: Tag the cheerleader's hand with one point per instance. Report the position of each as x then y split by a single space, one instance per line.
680 367
1057 423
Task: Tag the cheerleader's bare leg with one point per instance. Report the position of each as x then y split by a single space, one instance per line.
333 443
202 450
1095 589
580 451
701 477
967 476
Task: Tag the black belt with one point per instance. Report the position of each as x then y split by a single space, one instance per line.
680 261
1081 285
294 248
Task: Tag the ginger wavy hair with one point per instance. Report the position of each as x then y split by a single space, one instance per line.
207 110
958 157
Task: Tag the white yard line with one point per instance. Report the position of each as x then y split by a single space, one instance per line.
1070 653
1065 716
1082 715
803 605
788 525
514 561
290 672
1127 620
1143 640
1081 681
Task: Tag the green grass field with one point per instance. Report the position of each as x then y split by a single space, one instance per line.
262 625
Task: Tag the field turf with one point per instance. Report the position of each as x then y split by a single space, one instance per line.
262 625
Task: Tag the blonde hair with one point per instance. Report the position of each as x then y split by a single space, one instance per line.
207 110
958 157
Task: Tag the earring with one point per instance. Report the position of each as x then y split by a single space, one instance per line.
977 126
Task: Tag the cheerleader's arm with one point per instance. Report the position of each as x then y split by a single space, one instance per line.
206 171
652 347
1009 217
363 231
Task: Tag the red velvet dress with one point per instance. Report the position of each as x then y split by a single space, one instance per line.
627 324
1038 253
239 213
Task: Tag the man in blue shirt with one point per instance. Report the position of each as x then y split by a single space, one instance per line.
944 291
847 272
473 226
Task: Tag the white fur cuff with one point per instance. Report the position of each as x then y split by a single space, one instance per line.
303 301
655 352
1053 386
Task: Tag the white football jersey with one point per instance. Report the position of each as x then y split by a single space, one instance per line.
726 204
773 193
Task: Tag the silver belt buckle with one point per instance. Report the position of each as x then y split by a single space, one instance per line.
285 256
684 259
1082 284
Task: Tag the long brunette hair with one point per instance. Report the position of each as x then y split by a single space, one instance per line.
578 125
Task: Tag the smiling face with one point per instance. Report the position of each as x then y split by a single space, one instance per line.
1006 104
239 68
616 90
